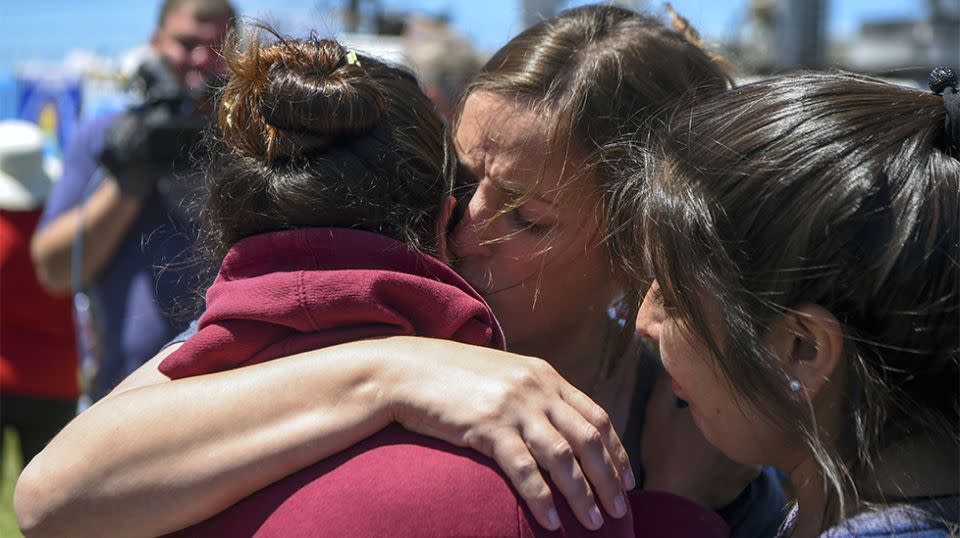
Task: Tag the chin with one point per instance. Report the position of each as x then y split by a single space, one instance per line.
474 283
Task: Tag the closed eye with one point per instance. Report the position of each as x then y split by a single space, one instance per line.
526 224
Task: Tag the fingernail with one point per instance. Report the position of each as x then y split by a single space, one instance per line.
629 481
619 506
553 519
595 518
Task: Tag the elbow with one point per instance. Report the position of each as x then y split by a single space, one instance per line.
53 276
57 287
41 501
31 504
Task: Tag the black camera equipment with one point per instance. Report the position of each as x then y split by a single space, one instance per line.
151 146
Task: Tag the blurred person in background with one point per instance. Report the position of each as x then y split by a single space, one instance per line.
38 357
443 62
121 206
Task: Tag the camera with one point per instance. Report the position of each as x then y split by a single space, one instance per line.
150 146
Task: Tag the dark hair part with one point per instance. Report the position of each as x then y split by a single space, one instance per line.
311 135
831 189
205 10
601 73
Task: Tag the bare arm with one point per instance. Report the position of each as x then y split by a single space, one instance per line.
125 466
105 217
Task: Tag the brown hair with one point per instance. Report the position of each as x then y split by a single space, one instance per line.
829 189
311 135
204 10
601 73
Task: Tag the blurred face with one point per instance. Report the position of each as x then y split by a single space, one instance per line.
540 264
729 422
189 45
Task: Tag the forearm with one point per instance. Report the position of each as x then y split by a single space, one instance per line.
158 458
105 218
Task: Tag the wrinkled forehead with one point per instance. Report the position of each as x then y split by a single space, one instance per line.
514 142
492 123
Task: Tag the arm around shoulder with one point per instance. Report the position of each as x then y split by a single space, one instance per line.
217 438
125 465
52 480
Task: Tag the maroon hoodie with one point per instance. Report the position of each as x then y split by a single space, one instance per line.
286 292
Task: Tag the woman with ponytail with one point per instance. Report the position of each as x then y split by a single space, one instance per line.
804 237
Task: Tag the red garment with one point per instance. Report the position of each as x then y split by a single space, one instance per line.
287 292
660 515
38 354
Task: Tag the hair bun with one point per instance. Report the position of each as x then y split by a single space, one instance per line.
941 78
287 97
318 92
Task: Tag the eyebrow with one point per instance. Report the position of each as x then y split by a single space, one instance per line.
519 191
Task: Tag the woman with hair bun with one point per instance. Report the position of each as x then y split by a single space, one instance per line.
804 234
537 136
329 184
329 193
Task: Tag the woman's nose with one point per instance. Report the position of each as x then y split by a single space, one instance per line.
650 316
469 237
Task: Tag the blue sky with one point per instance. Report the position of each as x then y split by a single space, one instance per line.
47 29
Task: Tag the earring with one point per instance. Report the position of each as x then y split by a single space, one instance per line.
795 385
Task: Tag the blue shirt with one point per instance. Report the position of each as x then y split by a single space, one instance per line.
141 294
925 518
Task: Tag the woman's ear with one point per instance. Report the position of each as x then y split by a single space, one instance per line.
809 341
446 212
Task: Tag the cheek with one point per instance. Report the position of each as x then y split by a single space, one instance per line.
672 350
716 412
521 276
175 55
458 236
691 372
573 276
556 270
203 57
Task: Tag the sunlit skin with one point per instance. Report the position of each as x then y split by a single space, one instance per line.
540 264
531 242
727 419
728 422
190 45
